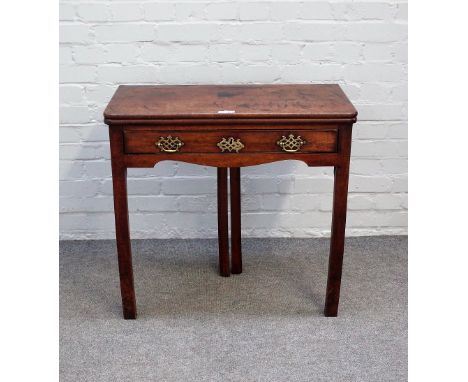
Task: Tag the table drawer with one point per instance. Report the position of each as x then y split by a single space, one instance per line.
255 141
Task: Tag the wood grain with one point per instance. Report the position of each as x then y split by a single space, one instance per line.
139 115
247 101
223 233
236 246
340 198
144 142
122 231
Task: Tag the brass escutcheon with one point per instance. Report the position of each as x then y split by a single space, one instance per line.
230 144
169 144
291 144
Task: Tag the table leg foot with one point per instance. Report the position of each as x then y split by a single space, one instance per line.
335 265
122 231
236 246
223 234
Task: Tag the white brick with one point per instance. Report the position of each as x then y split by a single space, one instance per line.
318 51
93 12
163 169
389 201
402 11
95 54
375 92
196 203
224 52
377 52
74 114
365 167
83 223
313 185
66 55
370 72
222 11
400 50
276 202
316 11
187 32
99 94
78 188
260 73
399 183
398 131
87 204
271 32
250 52
303 73
251 202
161 11
395 166
69 134
66 12
150 186
376 32
184 222
190 74
304 202
81 151
347 52
126 11
189 53
370 130
124 32
71 94
275 169
352 90
399 93
150 203
377 149
286 185
310 32
382 112
286 53
371 11
283 10
71 33
156 53
362 45
260 186
70 170
93 133
189 11
358 183
254 11
127 74
122 53
188 169
189 186
360 202
100 169
77 74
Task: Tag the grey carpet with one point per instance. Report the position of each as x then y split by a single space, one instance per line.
263 325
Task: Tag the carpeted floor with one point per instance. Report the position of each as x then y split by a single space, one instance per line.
263 325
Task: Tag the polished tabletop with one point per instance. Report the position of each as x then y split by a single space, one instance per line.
310 101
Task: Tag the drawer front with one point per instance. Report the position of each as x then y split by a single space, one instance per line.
271 141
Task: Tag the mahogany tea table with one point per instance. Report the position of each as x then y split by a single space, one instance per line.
229 127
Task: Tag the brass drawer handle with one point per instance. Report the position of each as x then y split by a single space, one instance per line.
169 144
291 144
230 144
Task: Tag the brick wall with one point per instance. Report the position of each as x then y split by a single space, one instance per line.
362 45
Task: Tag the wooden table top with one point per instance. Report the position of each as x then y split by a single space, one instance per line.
143 102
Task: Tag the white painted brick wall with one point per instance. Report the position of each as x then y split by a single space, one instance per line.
362 45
